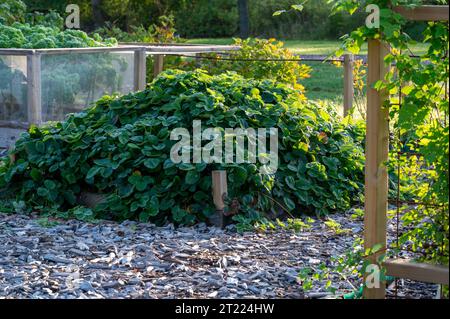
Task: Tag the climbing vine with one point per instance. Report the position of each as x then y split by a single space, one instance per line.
418 108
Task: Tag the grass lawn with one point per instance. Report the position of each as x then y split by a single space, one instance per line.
326 82
303 47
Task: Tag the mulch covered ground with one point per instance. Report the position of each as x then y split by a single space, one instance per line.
74 259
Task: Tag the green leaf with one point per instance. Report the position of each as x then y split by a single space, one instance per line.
153 207
103 162
279 12
297 7
152 163
125 190
139 181
192 177
40 147
376 248
49 184
178 214
93 172
43 192
290 205
239 176
36 174
290 182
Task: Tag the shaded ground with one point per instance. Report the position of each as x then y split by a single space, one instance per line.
72 259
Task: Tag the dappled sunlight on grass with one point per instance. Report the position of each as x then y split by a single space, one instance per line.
320 47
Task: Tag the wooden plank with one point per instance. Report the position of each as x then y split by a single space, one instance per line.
348 83
129 48
184 50
14 124
377 150
162 48
34 89
150 48
18 52
423 272
158 64
424 13
14 51
140 70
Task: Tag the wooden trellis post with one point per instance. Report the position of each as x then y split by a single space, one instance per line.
377 150
376 175
348 83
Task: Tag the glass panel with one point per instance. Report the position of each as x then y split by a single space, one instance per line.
13 88
72 82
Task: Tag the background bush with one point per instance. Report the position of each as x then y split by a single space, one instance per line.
207 18
313 23
268 51
213 18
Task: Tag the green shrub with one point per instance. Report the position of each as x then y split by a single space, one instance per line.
120 147
161 32
26 36
206 18
12 11
289 72
220 18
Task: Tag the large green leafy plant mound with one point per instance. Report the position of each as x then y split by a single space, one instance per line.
120 147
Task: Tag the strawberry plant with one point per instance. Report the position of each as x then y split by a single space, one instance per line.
121 146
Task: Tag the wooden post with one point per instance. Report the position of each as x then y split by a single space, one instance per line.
34 88
158 64
219 190
198 62
348 83
140 69
377 150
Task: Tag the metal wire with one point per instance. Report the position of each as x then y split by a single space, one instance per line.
220 58
397 230
413 203
398 201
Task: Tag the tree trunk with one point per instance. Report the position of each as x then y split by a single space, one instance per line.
97 13
244 19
